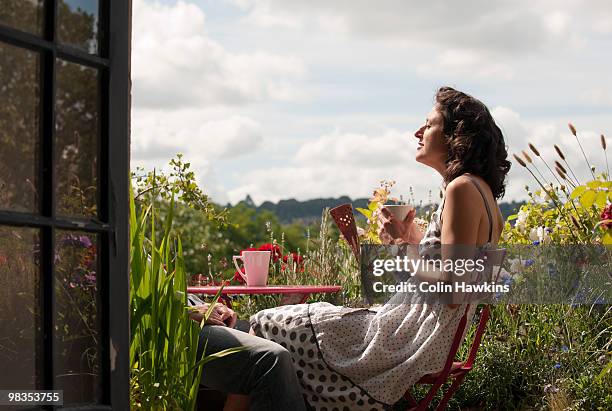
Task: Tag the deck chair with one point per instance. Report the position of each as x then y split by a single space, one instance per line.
457 370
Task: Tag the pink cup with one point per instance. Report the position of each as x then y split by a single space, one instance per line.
256 267
400 211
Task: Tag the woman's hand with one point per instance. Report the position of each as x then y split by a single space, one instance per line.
391 230
220 315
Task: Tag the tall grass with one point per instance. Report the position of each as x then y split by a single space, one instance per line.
166 372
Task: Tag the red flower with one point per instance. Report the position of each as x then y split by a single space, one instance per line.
274 249
238 277
298 261
606 214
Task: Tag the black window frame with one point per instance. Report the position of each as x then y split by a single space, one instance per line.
112 222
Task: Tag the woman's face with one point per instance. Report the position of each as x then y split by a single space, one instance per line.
433 148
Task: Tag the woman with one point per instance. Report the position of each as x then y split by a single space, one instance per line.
360 359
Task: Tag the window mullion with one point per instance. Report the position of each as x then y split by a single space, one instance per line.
48 193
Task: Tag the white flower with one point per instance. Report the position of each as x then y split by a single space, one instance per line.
533 234
521 220
543 196
540 234
543 235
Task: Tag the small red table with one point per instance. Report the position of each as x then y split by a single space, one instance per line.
291 294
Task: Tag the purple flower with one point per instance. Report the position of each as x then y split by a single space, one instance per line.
529 262
557 366
536 242
78 241
85 241
564 348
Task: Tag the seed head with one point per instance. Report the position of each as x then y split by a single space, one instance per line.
572 128
603 141
561 173
558 150
519 160
535 150
560 167
575 221
526 156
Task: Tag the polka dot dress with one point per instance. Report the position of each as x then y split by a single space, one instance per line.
364 359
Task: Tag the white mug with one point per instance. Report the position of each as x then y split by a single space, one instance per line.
399 211
256 267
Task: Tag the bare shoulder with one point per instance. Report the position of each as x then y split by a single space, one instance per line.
461 189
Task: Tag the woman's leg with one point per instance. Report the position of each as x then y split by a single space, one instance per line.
263 369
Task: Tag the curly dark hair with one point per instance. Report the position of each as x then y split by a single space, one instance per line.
476 144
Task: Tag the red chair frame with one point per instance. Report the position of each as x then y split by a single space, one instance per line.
452 369
457 370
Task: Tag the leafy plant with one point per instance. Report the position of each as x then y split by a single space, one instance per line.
563 209
166 372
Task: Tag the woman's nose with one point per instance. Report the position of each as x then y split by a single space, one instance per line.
419 133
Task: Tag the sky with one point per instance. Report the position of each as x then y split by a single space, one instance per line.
284 99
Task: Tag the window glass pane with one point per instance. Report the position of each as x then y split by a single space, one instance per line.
76 125
78 24
26 15
77 317
20 316
19 129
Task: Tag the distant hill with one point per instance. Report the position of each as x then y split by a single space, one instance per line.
308 211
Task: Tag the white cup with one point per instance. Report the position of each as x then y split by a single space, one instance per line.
399 211
256 267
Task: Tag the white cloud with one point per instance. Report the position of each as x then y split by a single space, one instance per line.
358 150
467 63
599 96
176 64
155 133
340 163
511 26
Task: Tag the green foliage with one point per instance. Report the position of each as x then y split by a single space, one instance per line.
181 184
166 372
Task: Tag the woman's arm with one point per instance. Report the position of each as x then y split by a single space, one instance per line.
459 231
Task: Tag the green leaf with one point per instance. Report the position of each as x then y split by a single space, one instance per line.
577 192
366 213
603 372
594 184
587 199
600 200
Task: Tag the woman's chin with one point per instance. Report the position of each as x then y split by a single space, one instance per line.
419 157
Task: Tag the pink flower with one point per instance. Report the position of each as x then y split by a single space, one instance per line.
606 214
